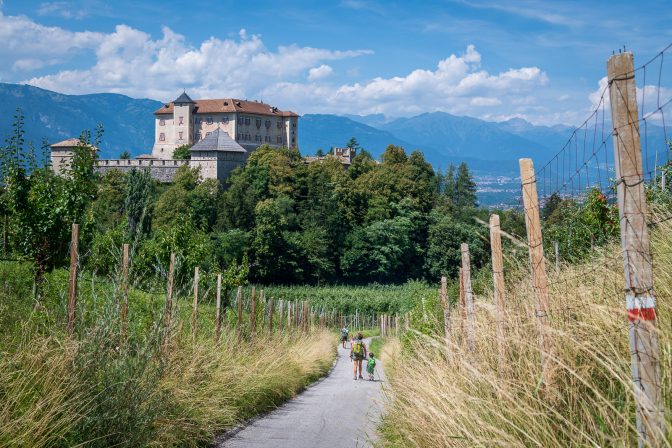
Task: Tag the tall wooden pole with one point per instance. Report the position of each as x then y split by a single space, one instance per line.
463 310
253 313
239 305
637 260
194 310
281 316
537 264
124 291
72 285
557 256
218 307
498 282
443 294
271 312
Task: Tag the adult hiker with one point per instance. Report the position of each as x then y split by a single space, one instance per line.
357 354
344 335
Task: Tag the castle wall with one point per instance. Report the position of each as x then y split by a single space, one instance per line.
161 170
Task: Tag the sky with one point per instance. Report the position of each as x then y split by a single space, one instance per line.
544 61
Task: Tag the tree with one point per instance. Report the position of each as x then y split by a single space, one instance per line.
446 235
182 152
138 202
465 188
319 152
354 145
125 155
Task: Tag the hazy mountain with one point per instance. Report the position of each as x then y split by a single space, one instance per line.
128 122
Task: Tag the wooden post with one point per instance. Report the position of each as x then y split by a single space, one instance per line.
445 304
463 310
557 256
194 310
306 308
281 316
169 291
72 290
271 308
637 260
537 263
218 322
124 291
468 298
239 304
253 313
498 283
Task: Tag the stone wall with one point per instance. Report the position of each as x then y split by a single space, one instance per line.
161 170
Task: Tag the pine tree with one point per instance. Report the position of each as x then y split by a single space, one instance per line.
465 188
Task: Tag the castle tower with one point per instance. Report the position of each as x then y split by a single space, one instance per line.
183 120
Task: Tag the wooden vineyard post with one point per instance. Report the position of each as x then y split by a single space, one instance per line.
537 263
239 305
281 316
445 304
253 313
194 309
557 256
396 325
305 316
218 307
72 285
463 310
468 298
498 283
271 312
124 291
289 317
169 292
637 260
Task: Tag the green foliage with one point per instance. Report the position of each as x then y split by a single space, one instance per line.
443 246
125 155
182 152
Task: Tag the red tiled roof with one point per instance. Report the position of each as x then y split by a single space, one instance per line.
230 105
69 143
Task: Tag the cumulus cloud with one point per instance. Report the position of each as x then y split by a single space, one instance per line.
30 45
317 73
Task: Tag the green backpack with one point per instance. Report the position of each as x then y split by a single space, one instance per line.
357 348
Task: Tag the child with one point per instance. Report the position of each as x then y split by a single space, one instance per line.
371 365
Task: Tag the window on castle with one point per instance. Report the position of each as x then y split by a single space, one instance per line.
258 123
162 122
162 137
294 125
279 125
240 120
247 121
268 124
225 119
257 138
278 139
181 120
208 120
180 135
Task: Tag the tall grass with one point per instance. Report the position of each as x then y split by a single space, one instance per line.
467 401
157 388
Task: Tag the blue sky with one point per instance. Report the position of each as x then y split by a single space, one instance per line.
539 60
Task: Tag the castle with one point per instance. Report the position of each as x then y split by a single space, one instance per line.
223 133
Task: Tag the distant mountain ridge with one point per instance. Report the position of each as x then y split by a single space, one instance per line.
489 147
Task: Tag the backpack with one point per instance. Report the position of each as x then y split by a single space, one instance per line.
357 348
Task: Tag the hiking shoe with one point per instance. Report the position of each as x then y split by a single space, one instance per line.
355 378
361 377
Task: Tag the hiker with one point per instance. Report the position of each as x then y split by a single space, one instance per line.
371 365
344 335
357 354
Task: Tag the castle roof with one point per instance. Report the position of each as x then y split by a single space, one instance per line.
218 140
227 105
68 143
183 99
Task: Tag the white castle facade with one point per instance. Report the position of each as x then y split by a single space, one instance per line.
222 133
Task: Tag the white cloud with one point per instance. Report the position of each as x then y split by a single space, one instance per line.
45 45
317 73
66 10
129 61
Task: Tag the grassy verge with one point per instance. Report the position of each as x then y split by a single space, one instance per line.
469 401
159 387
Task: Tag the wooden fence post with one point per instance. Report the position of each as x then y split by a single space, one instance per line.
253 313
194 310
169 292
239 304
218 321
306 309
499 289
443 294
639 295
271 309
72 286
537 263
468 298
124 291
281 316
557 256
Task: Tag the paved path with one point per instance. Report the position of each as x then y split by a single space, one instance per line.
334 412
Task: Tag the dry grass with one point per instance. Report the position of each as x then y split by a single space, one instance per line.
469 402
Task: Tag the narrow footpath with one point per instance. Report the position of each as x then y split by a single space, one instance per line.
335 412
